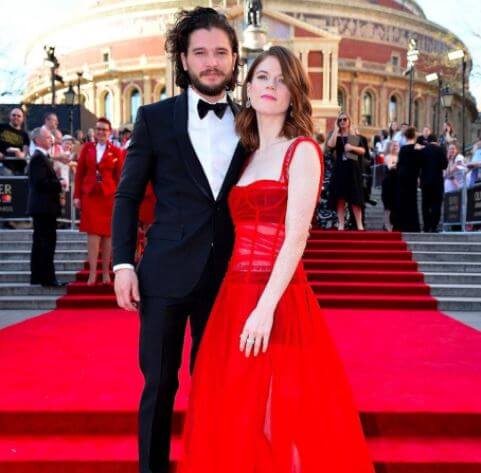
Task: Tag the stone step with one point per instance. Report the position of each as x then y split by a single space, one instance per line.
27 245
472 237
15 255
455 290
452 278
28 302
60 265
26 235
24 276
451 256
19 289
469 304
444 246
448 266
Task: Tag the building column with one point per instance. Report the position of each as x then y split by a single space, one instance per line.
147 95
355 100
326 75
117 103
383 105
334 76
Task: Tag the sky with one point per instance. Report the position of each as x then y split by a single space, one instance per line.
461 17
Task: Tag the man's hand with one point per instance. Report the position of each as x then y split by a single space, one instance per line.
126 287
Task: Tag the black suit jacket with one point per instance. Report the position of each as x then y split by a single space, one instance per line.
433 162
189 223
43 186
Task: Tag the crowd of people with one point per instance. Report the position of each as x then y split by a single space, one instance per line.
420 160
87 165
409 161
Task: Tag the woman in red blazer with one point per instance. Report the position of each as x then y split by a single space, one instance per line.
98 172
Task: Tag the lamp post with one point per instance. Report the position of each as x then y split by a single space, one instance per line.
254 35
452 56
69 100
79 81
447 98
412 57
431 78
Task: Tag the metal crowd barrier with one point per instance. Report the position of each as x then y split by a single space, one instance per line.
13 201
462 208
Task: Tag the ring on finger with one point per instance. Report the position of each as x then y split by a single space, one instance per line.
250 341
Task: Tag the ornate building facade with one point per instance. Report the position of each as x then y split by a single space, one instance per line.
353 50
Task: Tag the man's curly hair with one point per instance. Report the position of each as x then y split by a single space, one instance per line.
188 21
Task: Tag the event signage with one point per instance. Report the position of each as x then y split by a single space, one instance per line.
13 196
452 206
473 212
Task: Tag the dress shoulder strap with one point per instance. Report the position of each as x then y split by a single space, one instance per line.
290 153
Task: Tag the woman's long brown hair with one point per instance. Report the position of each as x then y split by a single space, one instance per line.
298 120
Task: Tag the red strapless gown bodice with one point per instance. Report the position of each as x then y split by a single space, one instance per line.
289 410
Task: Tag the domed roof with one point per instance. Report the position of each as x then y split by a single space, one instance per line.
406 6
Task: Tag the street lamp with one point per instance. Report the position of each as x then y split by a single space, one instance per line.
412 57
69 100
432 78
79 80
453 56
447 98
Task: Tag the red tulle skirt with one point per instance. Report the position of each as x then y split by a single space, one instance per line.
289 410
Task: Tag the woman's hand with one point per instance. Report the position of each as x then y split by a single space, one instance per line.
76 202
257 331
347 147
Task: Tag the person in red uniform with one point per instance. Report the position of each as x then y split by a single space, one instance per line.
98 173
146 213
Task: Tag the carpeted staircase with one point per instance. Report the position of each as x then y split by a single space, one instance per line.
71 384
347 269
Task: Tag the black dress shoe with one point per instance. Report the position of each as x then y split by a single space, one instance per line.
55 283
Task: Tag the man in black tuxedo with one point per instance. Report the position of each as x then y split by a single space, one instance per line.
433 163
187 147
44 206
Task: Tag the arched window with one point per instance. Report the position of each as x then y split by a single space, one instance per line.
367 109
393 109
107 106
341 100
134 104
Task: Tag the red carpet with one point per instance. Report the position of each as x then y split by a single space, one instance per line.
70 382
374 269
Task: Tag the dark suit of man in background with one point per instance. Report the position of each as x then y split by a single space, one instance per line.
44 206
433 163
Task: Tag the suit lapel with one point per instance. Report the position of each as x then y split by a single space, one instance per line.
232 174
186 150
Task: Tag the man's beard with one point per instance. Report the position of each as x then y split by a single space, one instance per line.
210 91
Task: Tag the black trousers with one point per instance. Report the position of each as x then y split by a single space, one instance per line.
162 328
43 249
432 200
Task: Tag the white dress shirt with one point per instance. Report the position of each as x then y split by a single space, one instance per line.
100 149
214 141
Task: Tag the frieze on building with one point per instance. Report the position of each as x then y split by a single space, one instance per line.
373 31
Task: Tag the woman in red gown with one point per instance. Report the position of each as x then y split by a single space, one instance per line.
98 172
269 391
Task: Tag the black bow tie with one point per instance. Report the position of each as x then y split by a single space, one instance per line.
204 107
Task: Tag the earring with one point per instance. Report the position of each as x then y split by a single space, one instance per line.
248 102
291 111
